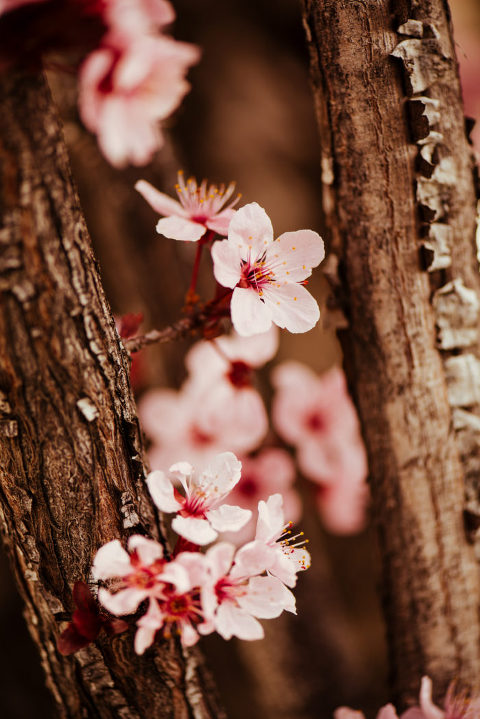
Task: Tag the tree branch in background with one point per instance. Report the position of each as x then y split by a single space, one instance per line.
401 213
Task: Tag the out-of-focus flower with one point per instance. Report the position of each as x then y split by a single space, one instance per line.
201 513
231 605
202 207
127 86
198 423
386 712
456 706
137 17
9 5
267 275
270 471
317 416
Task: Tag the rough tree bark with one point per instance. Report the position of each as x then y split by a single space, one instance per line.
398 191
72 475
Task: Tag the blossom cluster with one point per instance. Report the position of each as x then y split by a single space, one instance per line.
193 593
456 706
133 75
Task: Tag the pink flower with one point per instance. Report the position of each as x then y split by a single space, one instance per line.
136 17
231 604
127 86
267 275
456 706
270 471
316 415
199 424
274 549
202 207
201 513
386 712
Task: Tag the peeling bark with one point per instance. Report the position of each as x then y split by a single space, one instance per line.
72 474
398 191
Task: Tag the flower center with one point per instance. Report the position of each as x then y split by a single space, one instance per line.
240 374
256 274
315 422
248 486
199 437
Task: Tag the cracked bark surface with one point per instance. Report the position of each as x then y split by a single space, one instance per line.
72 475
378 221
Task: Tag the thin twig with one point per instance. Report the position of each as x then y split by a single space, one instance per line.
173 332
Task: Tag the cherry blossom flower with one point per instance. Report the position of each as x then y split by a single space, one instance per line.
267 275
274 548
317 416
202 207
203 418
138 16
201 513
270 471
386 712
458 706
232 604
127 86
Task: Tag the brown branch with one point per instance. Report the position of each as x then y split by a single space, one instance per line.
72 475
178 330
390 204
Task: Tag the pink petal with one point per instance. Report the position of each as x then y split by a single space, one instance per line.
254 351
342 507
179 228
301 251
125 601
267 598
221 222
162 492
161 203
220 476
228 518
250 316
227 260
251 228
110 561
291 306
346 713
148 550
231 621
195 566
195 530
430 710
387 712
176 574
271 519
220 558
251 559
148 625
189 636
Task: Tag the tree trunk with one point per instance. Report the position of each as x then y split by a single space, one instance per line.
70 450
398 191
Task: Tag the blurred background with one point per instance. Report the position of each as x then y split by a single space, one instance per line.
248 118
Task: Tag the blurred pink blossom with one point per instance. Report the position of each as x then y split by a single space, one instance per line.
267 275
317 416
456 706
200 512
136 17
127 86
202 207
269 472
386 712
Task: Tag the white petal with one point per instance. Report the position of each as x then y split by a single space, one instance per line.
227 261
300 251
174 573
125 601
228 518
271 519
291 306
189 636
161 203
219 477
195 530
253 558
179 228
231 621
148 550
148 625
251 228
221 222
162 492
250 316
110 561
267 598
219 558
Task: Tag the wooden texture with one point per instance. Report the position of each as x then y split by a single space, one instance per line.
72 475
394 179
